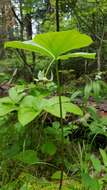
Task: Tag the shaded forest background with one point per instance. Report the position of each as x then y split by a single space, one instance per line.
22 19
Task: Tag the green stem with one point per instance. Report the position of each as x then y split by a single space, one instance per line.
61 125
49 66
58 64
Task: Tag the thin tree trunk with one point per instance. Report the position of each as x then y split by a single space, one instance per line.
28 19
99 53
22 21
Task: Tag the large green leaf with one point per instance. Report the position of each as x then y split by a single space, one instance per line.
55 100
55 110
30 46
29 101
14 95
29 109
37 103
78 54
53 107
6 108
26 115
54 44
6 100
72 108
61 42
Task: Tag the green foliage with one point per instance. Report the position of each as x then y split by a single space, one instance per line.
80 54
87 91
57 174
6 106
52 107
51 44
94 89
96 163
48 148
29 182
90 183
27 157
104 156
29 107
16 95
98 125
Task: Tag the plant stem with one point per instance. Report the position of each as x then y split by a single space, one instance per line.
49 66
61 125
58 64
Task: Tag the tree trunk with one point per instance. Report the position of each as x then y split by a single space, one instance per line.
7 22
28 20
